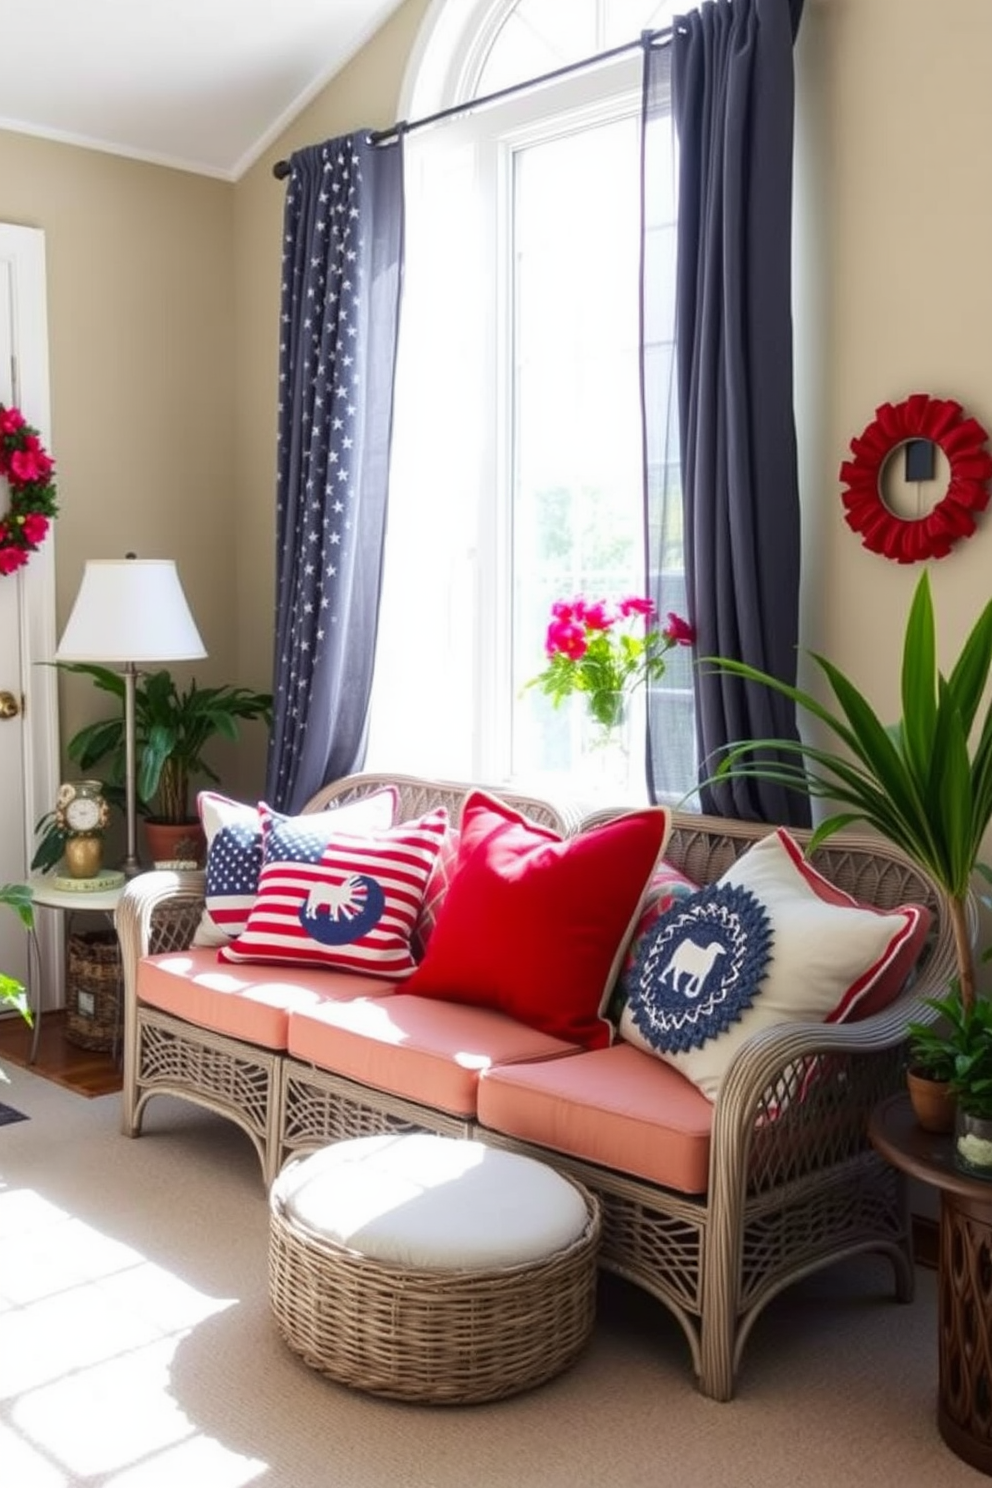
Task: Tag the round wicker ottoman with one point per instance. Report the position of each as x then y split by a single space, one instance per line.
431 1268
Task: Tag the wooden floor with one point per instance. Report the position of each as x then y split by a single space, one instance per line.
87 1071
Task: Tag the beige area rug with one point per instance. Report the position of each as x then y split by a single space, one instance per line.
137 1351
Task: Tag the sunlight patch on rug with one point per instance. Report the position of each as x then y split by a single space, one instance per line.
91 1326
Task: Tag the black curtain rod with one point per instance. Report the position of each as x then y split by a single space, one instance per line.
646 39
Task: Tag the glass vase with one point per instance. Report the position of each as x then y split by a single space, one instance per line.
604 749
973 1143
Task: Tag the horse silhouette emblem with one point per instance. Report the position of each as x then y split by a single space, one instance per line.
341 913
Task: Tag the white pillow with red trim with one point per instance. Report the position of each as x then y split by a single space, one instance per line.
233 831
348 901
771 941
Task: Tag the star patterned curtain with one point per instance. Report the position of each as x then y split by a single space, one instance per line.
342 266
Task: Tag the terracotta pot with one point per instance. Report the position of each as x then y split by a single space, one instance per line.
176 842
934 1103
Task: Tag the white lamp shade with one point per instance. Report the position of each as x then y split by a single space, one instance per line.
130 609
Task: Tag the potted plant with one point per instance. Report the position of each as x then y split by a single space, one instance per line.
173 727
924 782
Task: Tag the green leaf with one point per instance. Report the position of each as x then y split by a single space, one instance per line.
971 670
20 899
919 668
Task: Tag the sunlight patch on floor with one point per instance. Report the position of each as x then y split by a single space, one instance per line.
90 1328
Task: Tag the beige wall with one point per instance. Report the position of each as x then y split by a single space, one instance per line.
905 220
900 232
141 317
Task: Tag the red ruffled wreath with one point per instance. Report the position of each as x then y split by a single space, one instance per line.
933 535
28 469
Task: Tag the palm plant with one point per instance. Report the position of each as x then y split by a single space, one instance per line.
918 781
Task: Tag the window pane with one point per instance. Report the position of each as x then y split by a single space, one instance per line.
538 36
577 512
624 20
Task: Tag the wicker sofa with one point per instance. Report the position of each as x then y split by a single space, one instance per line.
789 1185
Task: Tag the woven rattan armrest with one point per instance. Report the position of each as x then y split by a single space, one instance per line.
159 911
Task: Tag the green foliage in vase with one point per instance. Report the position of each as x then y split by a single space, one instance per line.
605 651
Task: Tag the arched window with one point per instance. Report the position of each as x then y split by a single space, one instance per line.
517 451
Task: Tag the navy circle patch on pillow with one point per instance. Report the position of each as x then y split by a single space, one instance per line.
337 914
698 969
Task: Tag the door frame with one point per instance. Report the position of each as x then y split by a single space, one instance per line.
23 250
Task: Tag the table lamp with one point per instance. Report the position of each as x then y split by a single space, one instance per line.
130 610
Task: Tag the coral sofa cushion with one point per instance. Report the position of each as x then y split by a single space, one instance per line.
536 926
345 901
772 941
425 1051
615 1107
252 1003
233 831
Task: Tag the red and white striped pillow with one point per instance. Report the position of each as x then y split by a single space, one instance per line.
349 902
233 830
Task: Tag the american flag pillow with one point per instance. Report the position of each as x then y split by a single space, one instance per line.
234 852
349 902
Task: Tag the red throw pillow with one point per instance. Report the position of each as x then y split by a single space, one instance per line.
536 926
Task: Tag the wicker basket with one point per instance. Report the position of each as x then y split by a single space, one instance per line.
440 1337
93 990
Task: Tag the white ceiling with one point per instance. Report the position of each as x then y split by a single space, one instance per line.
205 85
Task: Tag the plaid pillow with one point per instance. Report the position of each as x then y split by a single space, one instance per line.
437 888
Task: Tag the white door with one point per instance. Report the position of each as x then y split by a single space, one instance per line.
28 738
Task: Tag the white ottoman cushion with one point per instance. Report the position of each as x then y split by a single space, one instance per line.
426 1201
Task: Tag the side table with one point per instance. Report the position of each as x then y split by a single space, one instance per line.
964 1400
65 901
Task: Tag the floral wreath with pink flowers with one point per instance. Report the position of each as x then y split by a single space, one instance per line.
27 469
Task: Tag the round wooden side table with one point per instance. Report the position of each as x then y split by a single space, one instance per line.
964 1400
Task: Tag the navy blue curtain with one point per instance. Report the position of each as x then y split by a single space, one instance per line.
732 95
342 268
